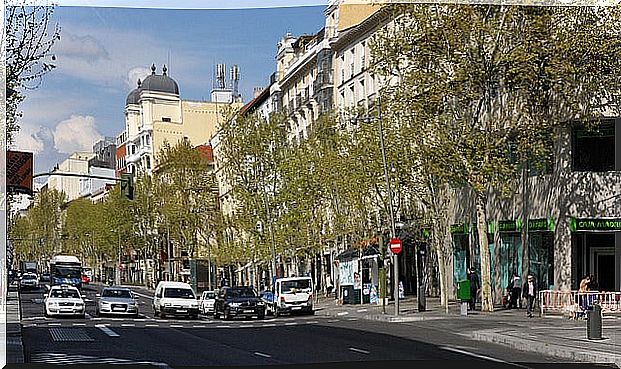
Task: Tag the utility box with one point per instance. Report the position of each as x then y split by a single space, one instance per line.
463 290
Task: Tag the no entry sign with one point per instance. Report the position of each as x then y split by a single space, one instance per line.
395 245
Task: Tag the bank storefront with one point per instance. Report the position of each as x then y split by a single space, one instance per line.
596 251
506 251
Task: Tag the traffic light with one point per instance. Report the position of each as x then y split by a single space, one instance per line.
127 185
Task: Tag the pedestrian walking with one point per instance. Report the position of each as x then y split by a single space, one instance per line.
474 287
529 292
516 288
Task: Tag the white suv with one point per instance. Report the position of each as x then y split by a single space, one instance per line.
64 300
175 298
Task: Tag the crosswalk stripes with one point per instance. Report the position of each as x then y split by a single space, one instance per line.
70 359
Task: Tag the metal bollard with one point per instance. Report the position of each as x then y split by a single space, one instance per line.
594 323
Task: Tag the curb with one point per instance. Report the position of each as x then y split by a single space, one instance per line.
380 317
560 351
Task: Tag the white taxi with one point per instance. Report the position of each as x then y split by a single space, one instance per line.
64 300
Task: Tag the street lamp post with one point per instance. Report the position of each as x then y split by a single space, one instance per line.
393 230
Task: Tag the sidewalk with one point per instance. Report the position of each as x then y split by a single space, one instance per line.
13 338
551 335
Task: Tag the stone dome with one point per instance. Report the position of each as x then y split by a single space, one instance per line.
159 83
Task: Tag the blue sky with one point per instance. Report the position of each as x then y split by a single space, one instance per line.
103 51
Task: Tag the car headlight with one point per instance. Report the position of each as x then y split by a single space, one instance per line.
53 303
79 304
133 303
234 304
167 304
106 303
260 303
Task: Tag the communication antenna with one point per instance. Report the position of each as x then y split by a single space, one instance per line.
235 80
220 76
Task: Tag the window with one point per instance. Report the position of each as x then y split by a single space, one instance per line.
593 149
147 160
166 119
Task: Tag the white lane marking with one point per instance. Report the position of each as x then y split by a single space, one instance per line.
312 322
176 326
352 319
268 325
262 354
128 325
117 319
342 313
199 326
140 320
107 330
96 318
484 357
223 326
30 325
333 321
53 324
291 323
151 325
362 310
360 351
79 324
246 326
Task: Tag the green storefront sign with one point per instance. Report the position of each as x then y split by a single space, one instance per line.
460 228
595 224
543 224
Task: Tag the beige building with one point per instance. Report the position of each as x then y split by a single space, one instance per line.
156 114
77 162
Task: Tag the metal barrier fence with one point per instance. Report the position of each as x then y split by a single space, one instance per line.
574 302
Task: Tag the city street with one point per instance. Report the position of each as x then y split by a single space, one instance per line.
285 340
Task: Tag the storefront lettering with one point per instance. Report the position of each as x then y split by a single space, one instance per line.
598 225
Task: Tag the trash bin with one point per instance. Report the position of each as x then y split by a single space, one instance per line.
594 323
422 303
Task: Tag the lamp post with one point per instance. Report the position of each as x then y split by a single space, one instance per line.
393 230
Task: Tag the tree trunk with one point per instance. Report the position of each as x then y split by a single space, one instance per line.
486 292
525 251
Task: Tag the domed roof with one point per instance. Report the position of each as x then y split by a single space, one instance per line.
160 83
133 97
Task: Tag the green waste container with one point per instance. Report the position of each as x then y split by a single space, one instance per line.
463 290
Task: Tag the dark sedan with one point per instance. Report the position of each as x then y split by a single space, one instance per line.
238 302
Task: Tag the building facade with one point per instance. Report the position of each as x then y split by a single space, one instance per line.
79 163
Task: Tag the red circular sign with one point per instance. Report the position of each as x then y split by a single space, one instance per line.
395 245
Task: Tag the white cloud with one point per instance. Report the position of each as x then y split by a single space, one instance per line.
86 48
77 133
134 74
27 139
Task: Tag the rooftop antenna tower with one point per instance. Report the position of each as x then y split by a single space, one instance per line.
235 80
220 77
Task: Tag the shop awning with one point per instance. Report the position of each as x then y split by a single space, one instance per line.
365 253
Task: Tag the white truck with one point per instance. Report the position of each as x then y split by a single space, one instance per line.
293 295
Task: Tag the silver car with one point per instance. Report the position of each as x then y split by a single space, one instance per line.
116 301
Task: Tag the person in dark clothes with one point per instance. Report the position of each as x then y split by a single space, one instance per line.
516 288
474 287
529 292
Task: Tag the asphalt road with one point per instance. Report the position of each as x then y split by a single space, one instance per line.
208 342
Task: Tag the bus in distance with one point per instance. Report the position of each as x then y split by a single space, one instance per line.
66 269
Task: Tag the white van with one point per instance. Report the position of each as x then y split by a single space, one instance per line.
175 298
292 295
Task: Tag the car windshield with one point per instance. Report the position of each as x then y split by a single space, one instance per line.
240 292
209 295
65 294
300 285
67 272
179 293
124 294
29 276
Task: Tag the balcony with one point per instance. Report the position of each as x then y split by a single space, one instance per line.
323 80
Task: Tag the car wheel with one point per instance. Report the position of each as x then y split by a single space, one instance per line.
261 316
45 313
227 314
276 312
216 314
155 312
